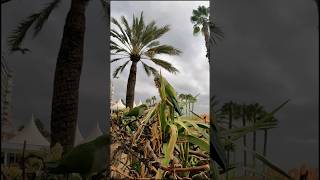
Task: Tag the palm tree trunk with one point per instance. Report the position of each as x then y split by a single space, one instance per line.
230 126
254 145
65 98
265 146
131 85
244 142
206 38
265 143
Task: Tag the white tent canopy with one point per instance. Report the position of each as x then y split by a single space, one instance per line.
134 104
118 106
78 137
31 134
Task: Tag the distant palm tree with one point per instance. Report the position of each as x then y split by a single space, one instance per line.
69 63
148 101
183 99
189 98
200 19
153 99
254 111
244 123
227 110
193 101
136 43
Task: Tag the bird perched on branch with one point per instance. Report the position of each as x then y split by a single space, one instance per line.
167 92
85 159
137 111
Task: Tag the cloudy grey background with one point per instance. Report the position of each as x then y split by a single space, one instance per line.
34 71
269 54
193 76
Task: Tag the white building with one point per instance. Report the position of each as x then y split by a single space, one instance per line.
30 134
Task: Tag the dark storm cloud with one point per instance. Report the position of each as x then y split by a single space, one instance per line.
270 54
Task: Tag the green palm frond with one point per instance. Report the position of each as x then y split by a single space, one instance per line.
216 33
119 69
139 39
44 15
164 64
17 36
148 69
165 49
196 30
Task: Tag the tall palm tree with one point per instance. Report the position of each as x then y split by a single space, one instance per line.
139 43
153 99
182 98
65 97
148 101
188 101
254 111
200 19
244 123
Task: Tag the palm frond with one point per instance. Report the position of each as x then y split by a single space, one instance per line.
196 30
148 69
117 59
127 27
44 15
165 49
215 33
39 18
165 65
18 34
119 69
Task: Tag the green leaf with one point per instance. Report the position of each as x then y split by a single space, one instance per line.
203 145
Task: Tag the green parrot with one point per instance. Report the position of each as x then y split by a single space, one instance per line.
137 111
170 93
85 159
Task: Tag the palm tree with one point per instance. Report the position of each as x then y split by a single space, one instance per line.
200 19
153 99
136 43
148 101
244 121
65 97
193 101
254 111
183 99
188 101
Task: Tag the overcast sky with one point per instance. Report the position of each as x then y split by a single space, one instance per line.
193 76
269 54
